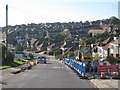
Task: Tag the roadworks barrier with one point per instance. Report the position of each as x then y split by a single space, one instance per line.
33 63
94 70
76 65
22 69
104 70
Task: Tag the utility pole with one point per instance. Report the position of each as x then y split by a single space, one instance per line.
6 27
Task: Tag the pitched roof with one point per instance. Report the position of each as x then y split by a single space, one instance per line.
116 41
52 45
108 40
106 47
96 31
33 41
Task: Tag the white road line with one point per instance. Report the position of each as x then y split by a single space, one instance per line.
59 67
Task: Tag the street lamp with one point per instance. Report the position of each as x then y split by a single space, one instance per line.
6 27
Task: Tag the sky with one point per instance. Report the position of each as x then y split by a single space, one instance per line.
44 11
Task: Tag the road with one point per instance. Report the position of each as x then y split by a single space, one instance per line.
54 74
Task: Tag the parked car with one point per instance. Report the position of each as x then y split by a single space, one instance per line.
22 55
41 59
102 60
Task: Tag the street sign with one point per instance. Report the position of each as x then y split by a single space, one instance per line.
114 68
103 68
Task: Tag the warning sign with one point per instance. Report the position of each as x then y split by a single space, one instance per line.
103 68
114 68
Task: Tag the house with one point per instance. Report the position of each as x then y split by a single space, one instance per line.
2 37
32 43
73 48
51 33
102 48
95 32
69 46
110 28
42 47
66 46
51 46
114 48
20 39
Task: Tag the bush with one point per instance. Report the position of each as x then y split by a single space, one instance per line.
51 53
30 55
65 55
112 60
19 47
71 54
58 56
37 51
2 53
75 53
96 57
9 56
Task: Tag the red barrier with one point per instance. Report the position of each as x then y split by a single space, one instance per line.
103 68
114 68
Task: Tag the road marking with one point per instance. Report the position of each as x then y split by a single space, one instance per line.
58 67
55 67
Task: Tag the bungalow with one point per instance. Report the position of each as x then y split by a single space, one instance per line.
32 43
20 39
95 32
115 48
42 47
66 46
2 37
69 46
51 46
102 48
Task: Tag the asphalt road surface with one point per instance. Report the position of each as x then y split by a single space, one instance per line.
54 74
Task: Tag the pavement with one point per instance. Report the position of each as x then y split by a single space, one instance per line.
108 83
99 83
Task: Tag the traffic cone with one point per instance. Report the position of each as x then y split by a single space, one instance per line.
22 69
102 75
114 75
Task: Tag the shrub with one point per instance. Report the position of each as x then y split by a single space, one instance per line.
96 57
19 47
37 51
9 56
112 59
71 54
30 55
65 55
2 53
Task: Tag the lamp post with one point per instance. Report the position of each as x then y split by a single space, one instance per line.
6 27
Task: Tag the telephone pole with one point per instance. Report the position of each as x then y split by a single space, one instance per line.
6 27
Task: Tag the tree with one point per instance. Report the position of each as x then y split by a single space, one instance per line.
9 56
113 60
58 51
2 53
75 53
65 55
30 55
113 20
71 54
19 47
